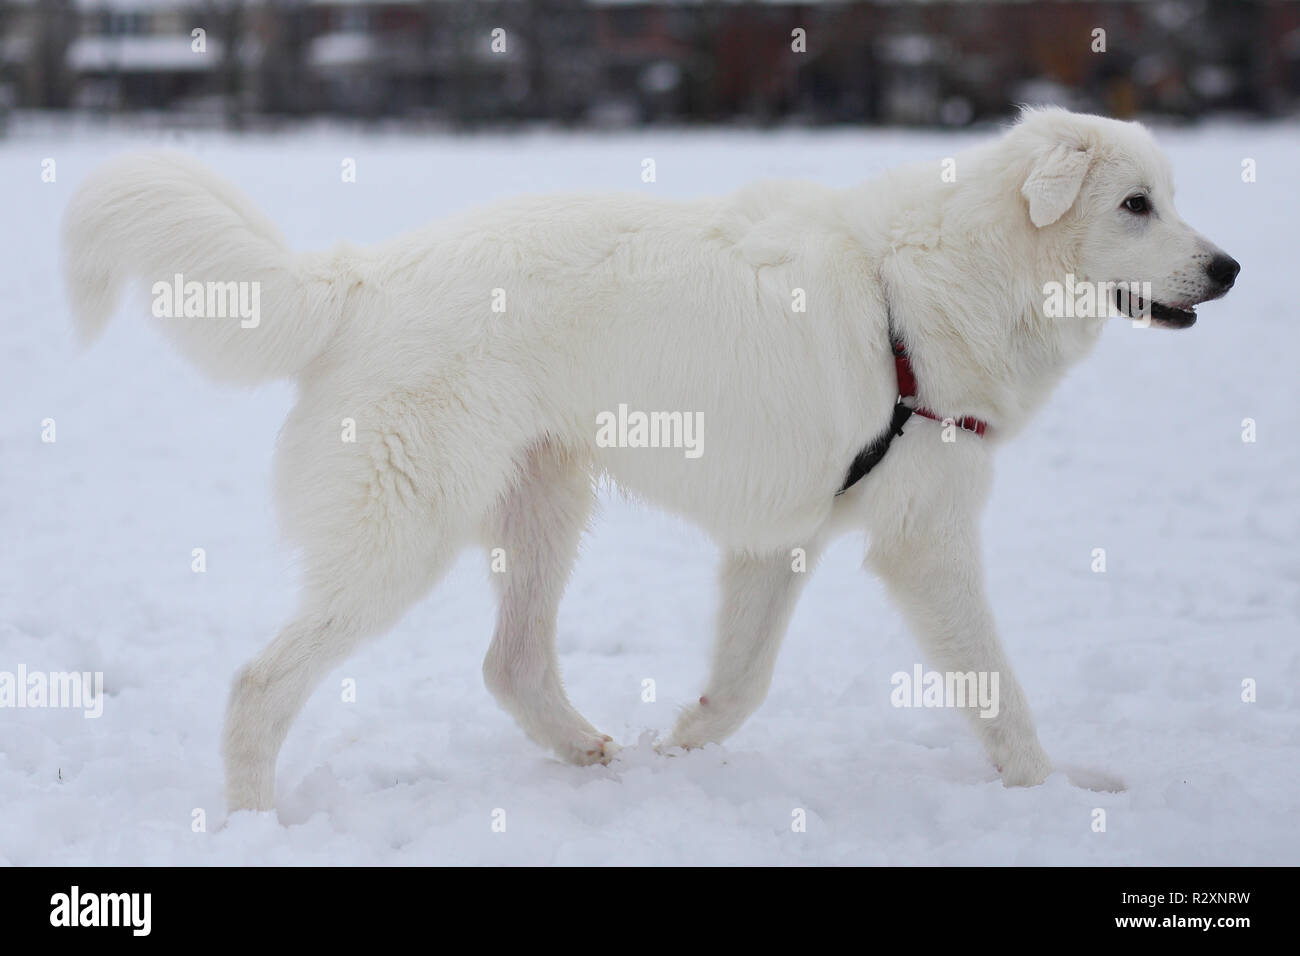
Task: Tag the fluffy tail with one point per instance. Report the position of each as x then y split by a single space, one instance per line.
224 286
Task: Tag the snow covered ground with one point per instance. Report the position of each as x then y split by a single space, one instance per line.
1137 671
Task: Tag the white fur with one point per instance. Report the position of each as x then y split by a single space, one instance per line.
480 426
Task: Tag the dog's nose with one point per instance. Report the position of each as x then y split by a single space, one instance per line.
1223 270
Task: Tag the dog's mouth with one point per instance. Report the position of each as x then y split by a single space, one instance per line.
1161 315
1166 316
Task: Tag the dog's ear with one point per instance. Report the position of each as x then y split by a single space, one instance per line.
1054 180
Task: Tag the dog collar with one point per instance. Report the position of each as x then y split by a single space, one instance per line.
870 456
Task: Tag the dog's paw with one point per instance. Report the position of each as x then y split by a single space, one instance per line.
666 748
678 743
1025 770
591 749
698 726
674 746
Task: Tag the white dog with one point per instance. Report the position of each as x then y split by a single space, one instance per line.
497 364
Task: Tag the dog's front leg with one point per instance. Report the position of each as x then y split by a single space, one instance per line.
934 573
923 518
758 596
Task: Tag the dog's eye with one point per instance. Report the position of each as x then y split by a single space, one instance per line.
1137 204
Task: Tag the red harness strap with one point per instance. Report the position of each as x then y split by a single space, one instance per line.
907 389
872 455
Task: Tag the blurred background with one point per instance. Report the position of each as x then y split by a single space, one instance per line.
628 63
1137 671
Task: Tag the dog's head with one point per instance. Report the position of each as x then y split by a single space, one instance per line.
1108 189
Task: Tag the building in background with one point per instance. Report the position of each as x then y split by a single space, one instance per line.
142 54
468 62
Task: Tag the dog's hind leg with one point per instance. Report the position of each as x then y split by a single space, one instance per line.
268 693
355 599
759 593
537 525
379 520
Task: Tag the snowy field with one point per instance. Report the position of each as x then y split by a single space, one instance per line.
1137 671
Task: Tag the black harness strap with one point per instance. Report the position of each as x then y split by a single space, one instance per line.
870 456
904 409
